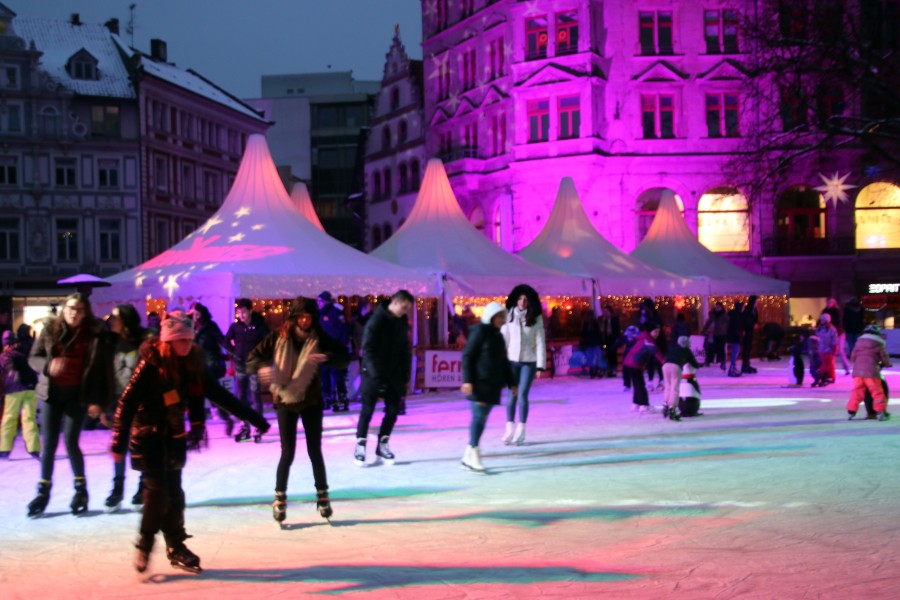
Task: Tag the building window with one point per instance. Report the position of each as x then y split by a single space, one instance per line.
498 57
188 183
441 14
9 240
386 138
538 120
800 221
468 71
443 77
108 172
569 117
376 186
386 182
9 77
9 170
49 121
162 236
395 99
65 172
160 117
161 174
647 205
404 179
67 240
414 174
498 134
211 191
471 140
402 132
720 30
655 32
793 108
105 121
722 115
723 221
467 8
83 69
566 33
792 19
877 217
110 240
446 144
536 37
830 99
658 116
11 118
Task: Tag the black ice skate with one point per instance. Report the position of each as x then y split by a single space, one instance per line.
144 545
323 503
80 499
37 506
244 434
383 451
279 507
359 453
181 558
257 436
114 500
137 500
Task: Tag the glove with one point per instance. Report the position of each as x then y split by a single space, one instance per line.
197 436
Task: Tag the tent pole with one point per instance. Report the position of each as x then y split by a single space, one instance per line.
595 299
443 339
704 310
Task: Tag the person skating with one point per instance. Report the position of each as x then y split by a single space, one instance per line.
869 356
526 349
296 353
642 354
19 381
749 319
385 370
334 379
486 370
243 335
72 352
828 341
678 355
734 337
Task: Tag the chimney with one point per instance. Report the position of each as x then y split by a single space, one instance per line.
75 19
113 26
158 50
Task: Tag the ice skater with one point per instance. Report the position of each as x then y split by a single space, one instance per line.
19 381
486 370
638 358
868 357
385 370
526 350
296 352
679 355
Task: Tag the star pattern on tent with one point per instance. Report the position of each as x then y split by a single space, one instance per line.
212 222
834 190
236 237
241 212
171 284
257 227
139 280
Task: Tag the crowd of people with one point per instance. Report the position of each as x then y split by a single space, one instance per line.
151 385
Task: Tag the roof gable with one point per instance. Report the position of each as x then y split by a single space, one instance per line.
661 70
550 73
727 69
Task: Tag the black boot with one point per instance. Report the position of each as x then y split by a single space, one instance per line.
37 506
80 499
138 498
182 558
244 434
144 545
114 501
279 507
323 503
342 404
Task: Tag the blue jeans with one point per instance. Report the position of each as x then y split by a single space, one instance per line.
523 374
592 355
851 342
480 414
246 388
735 348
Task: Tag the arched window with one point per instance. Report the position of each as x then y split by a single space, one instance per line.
878 216
404 179
414 174
386 138
800 218
388 191
723 220
376 237
395 99
387 231
403 132
376 186
50 121
647 203
476 218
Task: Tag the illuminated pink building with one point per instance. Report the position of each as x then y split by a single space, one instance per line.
632 98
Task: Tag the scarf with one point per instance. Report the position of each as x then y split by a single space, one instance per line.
292 370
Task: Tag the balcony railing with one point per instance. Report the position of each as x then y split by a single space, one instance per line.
830 246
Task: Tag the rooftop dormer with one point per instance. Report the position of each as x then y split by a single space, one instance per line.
82 65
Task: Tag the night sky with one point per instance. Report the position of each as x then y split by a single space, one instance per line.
235 42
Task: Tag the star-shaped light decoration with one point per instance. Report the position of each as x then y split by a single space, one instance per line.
139 280
257 227
241 212
531 8
834 190
212 222
236 237
171 284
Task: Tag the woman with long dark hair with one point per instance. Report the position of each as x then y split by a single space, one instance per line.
72 354
526 350
294 353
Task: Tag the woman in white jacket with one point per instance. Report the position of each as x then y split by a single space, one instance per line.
526 349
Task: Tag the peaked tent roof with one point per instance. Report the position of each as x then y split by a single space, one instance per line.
670 245
302 202
570 243
259 245
437 238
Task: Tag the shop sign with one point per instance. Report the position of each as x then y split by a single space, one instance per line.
443 368
884 288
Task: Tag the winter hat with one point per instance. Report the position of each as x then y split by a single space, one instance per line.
684 341
326 296
491 311
631 331
302 305
9 338
176 326
872 328
825 318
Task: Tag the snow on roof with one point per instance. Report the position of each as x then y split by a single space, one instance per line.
60 40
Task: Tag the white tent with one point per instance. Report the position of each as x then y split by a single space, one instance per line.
570 243
303 203
671 246
438 239
257 245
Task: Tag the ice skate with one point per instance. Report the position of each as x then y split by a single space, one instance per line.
508 435
883 416
383 451
673 414
137 500
279 508
79 503
851 414
257 436
472 460
244 434
359 453
114 500
144 546
37 506
181 558
519 437
323 503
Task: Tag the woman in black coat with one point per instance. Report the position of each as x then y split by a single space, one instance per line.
486 371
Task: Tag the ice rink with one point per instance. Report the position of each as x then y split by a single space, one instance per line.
772 493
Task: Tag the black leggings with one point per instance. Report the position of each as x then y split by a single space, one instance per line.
391 410
163 506
62 412
312 428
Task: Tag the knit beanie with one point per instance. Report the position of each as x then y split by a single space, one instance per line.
490 311
302 305
825 318
176 326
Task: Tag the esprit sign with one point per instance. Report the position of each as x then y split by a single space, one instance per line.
884 288
443 368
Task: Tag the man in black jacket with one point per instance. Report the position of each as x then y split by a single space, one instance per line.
386 362
242 337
